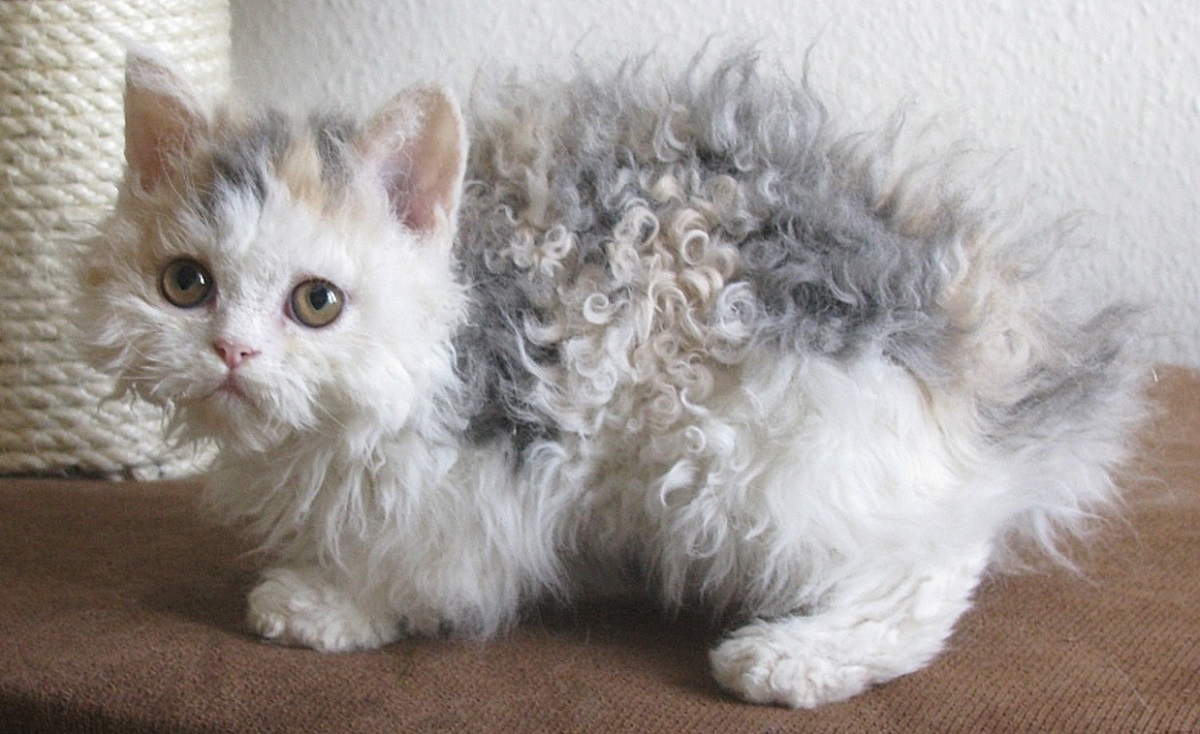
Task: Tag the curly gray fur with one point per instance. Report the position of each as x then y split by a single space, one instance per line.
842 254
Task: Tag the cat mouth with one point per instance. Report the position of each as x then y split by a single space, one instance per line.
231 389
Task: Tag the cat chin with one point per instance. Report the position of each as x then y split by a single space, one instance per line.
230 391
232 418
230 405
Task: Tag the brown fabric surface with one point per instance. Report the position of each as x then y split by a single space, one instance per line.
120 610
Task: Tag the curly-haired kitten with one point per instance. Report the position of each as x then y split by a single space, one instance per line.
676 337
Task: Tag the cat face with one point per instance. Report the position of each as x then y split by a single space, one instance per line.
262 277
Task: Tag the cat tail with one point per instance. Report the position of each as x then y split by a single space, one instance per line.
1059 391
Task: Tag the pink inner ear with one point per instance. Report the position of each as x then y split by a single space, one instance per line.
162 118
419 148
396 173
149 156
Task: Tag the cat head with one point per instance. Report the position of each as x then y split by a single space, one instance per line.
263 275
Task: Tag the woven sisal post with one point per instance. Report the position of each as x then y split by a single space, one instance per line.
61 154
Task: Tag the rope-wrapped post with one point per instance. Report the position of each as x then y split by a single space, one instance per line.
61 155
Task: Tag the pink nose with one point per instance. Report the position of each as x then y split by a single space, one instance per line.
233 354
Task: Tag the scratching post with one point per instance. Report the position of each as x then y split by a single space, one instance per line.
61 155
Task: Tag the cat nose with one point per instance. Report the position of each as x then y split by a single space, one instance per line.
233 354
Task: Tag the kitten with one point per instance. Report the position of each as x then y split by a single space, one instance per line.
676 337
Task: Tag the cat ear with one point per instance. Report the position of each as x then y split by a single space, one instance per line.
163 117
417 147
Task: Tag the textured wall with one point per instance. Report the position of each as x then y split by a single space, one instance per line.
1095 103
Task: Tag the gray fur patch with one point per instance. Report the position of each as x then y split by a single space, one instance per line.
1062 398
240 162
843 256
491 350
830 275
333 135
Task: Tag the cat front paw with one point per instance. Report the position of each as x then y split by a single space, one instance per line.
297 608
767 663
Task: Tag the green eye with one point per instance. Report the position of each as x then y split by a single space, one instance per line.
316 303
185 283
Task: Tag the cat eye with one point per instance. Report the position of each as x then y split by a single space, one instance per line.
316 303
185 283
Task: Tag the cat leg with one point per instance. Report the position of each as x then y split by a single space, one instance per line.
306 607
874 627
